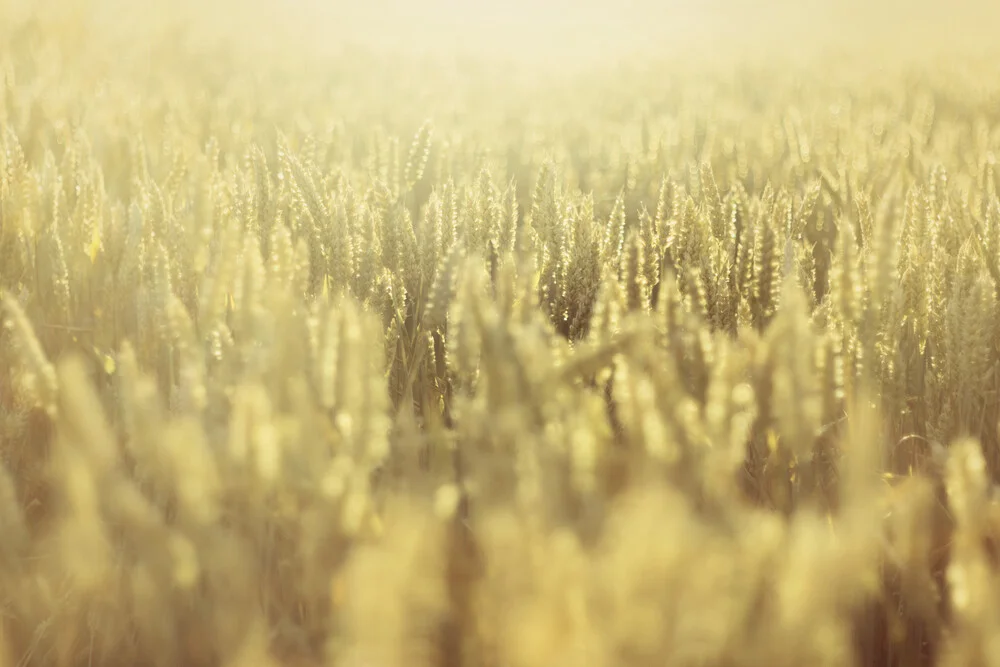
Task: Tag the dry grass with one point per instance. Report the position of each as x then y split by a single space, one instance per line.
661 366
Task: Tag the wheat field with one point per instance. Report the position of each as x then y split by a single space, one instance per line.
320 356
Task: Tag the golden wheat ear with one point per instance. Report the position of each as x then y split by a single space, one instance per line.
38 377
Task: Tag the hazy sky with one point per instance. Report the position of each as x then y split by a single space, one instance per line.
534 28
553 30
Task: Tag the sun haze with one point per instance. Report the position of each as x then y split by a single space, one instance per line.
592 30
563 33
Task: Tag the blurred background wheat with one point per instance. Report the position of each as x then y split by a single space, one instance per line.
459 335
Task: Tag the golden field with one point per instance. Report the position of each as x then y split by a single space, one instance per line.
323 356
